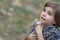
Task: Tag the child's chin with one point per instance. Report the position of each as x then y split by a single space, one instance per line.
43 22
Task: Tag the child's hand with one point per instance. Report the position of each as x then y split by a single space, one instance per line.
32 36
39 29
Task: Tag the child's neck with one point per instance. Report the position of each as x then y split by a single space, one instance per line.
45 25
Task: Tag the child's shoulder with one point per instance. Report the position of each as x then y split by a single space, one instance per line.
52 32
52 29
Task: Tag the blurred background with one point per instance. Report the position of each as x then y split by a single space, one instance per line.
17 17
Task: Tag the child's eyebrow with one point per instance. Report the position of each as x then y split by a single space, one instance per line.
51 13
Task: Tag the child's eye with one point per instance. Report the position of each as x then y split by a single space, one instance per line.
49 13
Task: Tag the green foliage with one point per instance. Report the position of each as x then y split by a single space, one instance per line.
16 26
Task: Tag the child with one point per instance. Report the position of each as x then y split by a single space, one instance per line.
50 22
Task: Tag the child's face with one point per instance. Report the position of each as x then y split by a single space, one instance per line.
47 16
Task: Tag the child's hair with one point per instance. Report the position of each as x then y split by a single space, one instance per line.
56 8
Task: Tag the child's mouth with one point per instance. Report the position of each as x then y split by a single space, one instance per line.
43 18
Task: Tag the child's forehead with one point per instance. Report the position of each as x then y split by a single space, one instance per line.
50 9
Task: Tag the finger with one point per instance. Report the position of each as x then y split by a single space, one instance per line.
34 37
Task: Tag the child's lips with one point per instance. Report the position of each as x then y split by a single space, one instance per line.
43 18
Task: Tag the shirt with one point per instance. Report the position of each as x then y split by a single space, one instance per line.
51 33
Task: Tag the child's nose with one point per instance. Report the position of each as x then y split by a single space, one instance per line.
44 14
